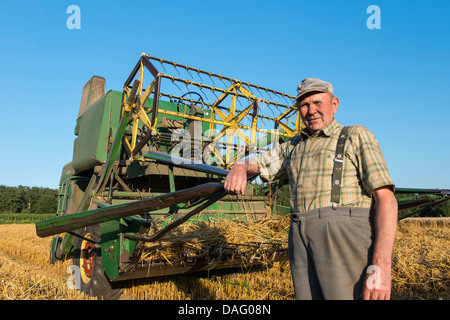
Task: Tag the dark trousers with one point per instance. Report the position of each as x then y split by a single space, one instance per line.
329 250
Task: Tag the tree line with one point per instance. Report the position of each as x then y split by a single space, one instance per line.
22 199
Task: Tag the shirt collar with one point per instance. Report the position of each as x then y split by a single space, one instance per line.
327 131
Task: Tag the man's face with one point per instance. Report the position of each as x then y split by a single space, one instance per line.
317 110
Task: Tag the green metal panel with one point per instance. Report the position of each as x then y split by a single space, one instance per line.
67 243
66 173
281 210
117 250
94 128
110 246
54 244
232 209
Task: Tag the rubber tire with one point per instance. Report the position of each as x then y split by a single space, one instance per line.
98 284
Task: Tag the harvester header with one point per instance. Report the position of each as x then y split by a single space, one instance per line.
154 156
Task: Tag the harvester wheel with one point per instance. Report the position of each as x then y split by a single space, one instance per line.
87 257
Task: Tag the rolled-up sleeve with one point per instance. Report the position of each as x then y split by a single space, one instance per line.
271 163
373 169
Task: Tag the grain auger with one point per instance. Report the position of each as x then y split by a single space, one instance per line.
151 157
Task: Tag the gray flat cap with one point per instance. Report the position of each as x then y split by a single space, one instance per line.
313 85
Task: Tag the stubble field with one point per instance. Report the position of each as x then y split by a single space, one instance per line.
421 270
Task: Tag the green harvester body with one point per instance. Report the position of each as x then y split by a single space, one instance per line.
128 185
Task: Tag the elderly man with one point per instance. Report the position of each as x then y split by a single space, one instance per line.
343 209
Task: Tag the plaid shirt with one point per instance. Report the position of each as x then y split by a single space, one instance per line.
307 160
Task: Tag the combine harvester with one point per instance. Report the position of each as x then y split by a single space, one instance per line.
151 157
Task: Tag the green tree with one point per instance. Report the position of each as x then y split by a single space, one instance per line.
47 202
23 199
31 199
15 199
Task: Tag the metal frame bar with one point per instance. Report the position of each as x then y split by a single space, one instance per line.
70 222
232 120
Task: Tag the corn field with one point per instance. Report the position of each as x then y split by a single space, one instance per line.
421 270
6 218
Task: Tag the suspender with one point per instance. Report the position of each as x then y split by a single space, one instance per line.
337 168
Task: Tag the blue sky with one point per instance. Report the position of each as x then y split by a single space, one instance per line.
394 80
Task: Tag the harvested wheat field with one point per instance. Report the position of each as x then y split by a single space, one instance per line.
421 260
421 270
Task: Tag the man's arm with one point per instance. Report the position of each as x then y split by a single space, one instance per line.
377 285
236 179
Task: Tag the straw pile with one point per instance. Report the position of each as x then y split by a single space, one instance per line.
197 236
421 259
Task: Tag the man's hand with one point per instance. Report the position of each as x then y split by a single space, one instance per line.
236 179
377 283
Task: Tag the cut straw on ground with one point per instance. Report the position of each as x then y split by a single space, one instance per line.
421 267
